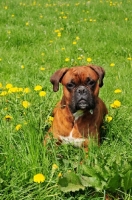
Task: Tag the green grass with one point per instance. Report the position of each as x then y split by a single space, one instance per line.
104 29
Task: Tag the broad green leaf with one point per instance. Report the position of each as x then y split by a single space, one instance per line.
127 181
72 188
63 182
88 171
96 172
72 178
114 182
70 182
92 182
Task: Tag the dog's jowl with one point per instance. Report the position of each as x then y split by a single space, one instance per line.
80 112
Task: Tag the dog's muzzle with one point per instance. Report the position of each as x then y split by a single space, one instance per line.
83 98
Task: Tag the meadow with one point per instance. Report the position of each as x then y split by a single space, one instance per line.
37 38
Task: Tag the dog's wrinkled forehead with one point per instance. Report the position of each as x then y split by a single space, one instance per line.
79 75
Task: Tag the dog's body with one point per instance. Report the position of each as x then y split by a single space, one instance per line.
80 113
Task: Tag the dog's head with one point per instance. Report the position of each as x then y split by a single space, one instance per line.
80 86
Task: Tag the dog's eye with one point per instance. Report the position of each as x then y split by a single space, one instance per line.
70 85
91 82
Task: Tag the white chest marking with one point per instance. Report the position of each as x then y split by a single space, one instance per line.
71 140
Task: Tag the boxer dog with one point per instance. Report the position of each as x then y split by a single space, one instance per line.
79 115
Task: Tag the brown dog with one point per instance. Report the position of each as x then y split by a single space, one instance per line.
80 112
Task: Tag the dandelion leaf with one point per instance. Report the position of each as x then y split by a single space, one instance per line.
63 182
70 183
88 171
72 188
114 182
127 181
92 182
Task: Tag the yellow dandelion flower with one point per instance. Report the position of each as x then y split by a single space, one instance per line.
38 87
77 38
13 90
0 59
25 104
1 85
50 119
112 64
117 91
42 68
64 17
39 178
116 104
126 19
59 34
9 85
26 90
54 167
42 54
89 59
22 66
60 174
79 58
18 127
63 48
27 24
34 3
12 15
90 20
57 31
41 16
74 42
6 7
67 59
3 93
129 58
108 118
42 93
8 117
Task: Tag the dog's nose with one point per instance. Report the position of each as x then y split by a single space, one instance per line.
82 90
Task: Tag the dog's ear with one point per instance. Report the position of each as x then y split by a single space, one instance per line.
57 77
101 73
